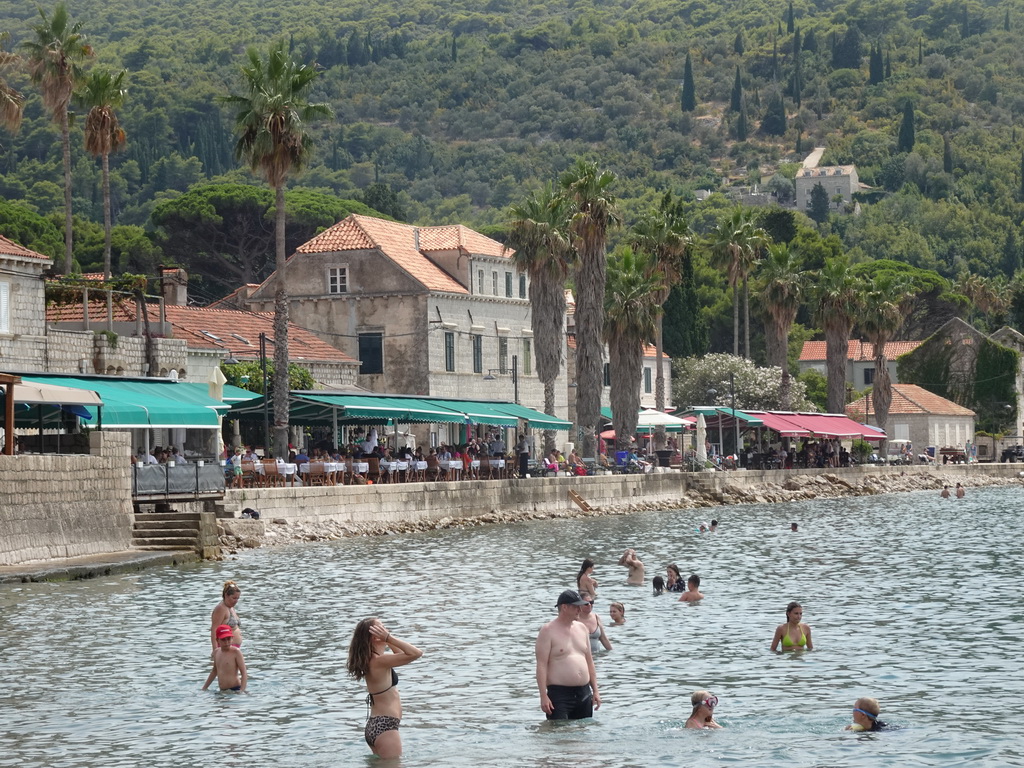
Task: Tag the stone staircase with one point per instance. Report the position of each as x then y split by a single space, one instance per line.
170 531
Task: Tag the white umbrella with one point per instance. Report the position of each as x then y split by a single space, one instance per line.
42 394
215 385
702 436
649 417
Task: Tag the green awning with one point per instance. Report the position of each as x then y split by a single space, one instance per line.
718 411
397 409
143 403
481 412
533 418
606 413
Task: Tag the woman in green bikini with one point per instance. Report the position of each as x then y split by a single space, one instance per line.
794 633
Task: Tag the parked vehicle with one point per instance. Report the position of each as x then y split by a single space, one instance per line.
1013 453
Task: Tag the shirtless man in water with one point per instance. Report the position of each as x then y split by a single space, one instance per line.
636 568
566 678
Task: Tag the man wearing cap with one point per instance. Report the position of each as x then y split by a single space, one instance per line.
566 677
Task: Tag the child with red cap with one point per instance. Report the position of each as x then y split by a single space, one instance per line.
228 663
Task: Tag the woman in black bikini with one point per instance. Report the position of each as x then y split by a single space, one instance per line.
368 661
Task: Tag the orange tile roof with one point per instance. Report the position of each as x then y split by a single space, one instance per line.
230 330
232 300
11 248
909 399
458 237
395 240
857 350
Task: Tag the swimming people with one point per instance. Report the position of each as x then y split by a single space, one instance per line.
584 580
659 585
225 613
714 526
792 526
692 593
228 663
675 581
367 661
703 715
960 492
590 620
636 568
945 492
793 634
617 612
566 677
865 716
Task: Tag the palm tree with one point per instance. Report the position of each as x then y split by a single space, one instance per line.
273 139
592 212
101 94
782 293
537 232
631 309
886 304
666 237
54 63
837 296
736 244
11 101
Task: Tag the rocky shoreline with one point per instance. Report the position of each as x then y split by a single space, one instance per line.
238 534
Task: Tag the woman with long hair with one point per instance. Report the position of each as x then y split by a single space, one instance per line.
585 580
703 714
794 633
225 613
675 582
367 661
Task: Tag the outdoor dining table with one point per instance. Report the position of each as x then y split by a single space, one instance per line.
455 467
331 469
286 469
394 467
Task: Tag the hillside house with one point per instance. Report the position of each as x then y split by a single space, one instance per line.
835 179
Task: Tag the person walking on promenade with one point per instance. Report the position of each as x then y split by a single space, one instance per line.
367 661
566 678
226 614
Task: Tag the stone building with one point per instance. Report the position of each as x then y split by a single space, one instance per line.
920 416
438 311
860 360
835 179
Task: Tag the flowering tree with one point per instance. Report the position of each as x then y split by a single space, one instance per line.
758 389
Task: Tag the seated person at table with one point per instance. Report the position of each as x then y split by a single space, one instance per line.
551 463
443 453
301 458
575 463
176 457
497 446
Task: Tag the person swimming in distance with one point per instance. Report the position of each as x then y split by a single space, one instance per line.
659 585
617 612
714 526
794 633
636 568
675 581
792 526
692 593
703 714
945 492
960 492
865 716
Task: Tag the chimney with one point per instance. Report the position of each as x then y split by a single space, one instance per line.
174 286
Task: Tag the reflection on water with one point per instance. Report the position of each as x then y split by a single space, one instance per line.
912 600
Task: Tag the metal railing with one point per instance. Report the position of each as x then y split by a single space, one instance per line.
193 480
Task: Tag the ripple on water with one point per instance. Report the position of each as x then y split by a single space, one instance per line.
911 599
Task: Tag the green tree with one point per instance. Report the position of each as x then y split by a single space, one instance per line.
790 19
1010 262
782 286
848 51
886 304
537 231
741 122
736 97
737 43
55 54
876 65
689 97
736 244
947 154
102 94
592 212
381 197
273 138
630 311
819 205
665 237
836 294
773 123
905 138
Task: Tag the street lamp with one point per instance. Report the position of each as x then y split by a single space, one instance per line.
491 376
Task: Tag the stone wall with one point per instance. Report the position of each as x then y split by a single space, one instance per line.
55 506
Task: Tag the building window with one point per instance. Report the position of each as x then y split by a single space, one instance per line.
527 357
647 380
508 285
478 352
494 283
371 353
479 281
607 375
5 307
449 351
869 376
337 280
502 354
522 286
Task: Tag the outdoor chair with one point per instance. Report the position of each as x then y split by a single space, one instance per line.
316 475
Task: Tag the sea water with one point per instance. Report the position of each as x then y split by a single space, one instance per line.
912 599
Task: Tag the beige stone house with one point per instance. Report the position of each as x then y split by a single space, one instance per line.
438 311
920 416
835 179
860 360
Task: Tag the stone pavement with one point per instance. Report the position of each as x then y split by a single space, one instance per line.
91 566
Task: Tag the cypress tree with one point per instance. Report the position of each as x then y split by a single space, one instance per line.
736 99
799 142
876 71
775 58
689 92
773 122
965 25
737 43
1010 261
818 206
888 66
455 48
778 29
905 140
1022 176
741 122
811 42
847 53
947 154
1006 21
797 84
920 51
790 21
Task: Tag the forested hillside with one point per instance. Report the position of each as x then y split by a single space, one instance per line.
448 112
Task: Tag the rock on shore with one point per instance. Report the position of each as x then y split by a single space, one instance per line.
237 534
